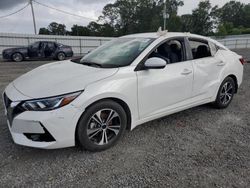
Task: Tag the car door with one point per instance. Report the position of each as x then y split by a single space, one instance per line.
41 50
160 90
33 50
49 49
207 65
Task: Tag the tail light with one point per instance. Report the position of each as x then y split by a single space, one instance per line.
243 61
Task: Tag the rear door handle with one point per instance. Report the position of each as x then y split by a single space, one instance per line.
186 72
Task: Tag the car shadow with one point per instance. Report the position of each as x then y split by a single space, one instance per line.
174 118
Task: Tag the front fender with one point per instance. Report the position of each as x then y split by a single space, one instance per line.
124 89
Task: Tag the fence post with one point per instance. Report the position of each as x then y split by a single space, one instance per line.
80 46
28 39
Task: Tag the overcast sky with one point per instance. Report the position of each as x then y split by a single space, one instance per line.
22 21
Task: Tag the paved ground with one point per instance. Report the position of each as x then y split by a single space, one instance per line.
244 52
200 147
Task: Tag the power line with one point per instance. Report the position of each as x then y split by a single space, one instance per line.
63 11
14 12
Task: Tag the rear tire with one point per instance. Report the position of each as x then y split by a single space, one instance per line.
17 57
61 56
226 93
101 126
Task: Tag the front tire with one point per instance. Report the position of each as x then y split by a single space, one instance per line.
61 56
101 126
226 93
17 57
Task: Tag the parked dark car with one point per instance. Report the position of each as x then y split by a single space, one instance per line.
38 50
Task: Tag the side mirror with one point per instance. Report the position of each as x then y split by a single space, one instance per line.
155 63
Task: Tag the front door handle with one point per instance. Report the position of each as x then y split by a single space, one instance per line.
186 72
221 63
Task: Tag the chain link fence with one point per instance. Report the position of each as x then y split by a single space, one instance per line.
82 45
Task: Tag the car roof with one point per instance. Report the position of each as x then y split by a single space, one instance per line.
46 41
167 35
153 35
156 35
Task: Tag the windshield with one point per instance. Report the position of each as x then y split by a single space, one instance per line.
117 53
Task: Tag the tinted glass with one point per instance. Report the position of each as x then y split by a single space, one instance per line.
51 45
35 45
171 51
200 48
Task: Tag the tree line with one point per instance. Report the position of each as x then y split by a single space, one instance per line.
134 16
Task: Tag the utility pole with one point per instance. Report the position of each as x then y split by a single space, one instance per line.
165 15
33 15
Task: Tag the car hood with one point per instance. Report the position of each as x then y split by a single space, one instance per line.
59 78
18 48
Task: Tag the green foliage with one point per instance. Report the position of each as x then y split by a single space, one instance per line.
232 12
43 31
234 18
174 23
57 29
236 31
202 22
186 22
222 31
246 31
135 16
77 30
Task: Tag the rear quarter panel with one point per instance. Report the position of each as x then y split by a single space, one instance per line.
234 66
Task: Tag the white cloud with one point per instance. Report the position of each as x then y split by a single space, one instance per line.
189 5
22 21
7 4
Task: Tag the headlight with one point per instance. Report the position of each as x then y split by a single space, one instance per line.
50 103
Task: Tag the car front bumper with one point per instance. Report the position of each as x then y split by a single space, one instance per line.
6 56
43 129
69 54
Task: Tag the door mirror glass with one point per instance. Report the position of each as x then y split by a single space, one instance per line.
155 63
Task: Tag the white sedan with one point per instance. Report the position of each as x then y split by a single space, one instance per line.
124 83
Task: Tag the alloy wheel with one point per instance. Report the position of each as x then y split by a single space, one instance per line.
226 93
61 56
17 57
103 126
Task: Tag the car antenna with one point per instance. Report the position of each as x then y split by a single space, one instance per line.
161 33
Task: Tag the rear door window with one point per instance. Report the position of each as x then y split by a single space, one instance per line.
200 48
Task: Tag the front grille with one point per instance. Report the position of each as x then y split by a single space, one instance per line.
5 55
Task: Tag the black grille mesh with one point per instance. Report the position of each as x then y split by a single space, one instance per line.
11 111
7 101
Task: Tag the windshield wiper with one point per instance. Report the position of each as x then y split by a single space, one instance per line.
91 64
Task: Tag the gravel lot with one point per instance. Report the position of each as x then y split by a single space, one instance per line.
200 147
